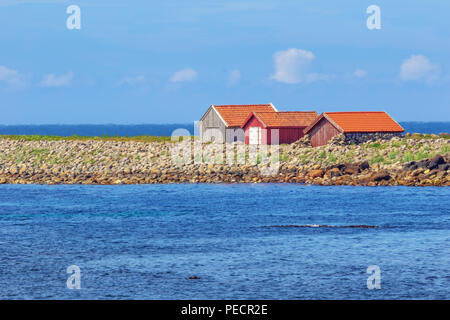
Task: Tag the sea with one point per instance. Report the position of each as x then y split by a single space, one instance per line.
162 129
235 241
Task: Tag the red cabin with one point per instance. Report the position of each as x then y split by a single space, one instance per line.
260 127
362 123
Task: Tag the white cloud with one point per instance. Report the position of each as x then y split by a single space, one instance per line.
186 74
291 65
131 81
234 76
359 73
314 77
51 80
418 68
11 77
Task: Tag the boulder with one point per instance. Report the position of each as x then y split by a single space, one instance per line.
335 172
351 170
380 176
317 173
435 162
364 165
411 166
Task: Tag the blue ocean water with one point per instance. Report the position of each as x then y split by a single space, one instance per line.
97 130
162 129
144 241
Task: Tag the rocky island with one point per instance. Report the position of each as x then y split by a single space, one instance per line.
410 160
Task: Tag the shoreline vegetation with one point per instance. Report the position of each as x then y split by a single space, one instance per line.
411 160
36 137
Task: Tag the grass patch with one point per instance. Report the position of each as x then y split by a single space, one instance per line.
408 157
422 155
304 158
332 158
349 156
429 136
375 145
39 152
445 148
284 157
416 156
393 155
34 137
377 159
397 144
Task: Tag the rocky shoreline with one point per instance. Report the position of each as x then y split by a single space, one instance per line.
409 161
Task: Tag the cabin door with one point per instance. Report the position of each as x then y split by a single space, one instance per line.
254 135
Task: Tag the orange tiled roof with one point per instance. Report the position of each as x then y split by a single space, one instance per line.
369 121
287 118
235 115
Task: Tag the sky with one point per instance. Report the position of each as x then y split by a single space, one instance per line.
134 62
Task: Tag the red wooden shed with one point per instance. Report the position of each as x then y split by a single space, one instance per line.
330 124
259 126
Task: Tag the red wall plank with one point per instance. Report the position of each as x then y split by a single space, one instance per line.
286 135
254 122
322 132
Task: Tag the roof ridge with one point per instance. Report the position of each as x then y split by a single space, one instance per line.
297 111
286 111
355 112
242 105
266 111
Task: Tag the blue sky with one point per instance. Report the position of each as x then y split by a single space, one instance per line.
167 61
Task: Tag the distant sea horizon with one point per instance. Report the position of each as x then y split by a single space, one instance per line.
162 129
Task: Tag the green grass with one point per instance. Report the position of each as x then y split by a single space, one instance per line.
396 144
332 158
393 155
304 159
423 155
145 138
417 156
377 159
445 148
284 157
408 157
349 156
429 136
375 145
39 152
